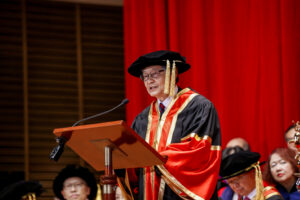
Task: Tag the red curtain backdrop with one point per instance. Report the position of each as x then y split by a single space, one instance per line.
245 58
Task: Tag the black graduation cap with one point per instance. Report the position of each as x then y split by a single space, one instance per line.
22 190
158 58
74 171
238 163
164 58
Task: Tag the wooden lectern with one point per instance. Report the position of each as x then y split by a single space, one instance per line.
108 146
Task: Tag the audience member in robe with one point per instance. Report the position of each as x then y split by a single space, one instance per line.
289 137
240 142
181 125
242 172
280 171
234 145
221 185
75 182
22 190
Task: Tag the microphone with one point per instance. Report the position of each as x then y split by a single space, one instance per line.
58 150
125 101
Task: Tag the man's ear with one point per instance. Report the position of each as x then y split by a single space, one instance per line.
62 193
88 190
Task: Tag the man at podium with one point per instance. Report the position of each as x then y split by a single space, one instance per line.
180 124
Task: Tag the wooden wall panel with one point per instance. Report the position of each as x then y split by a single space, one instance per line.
102 48
53 100
53 90
11 93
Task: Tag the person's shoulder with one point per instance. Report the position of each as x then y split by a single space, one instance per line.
200 100
271 192
143 114
294 194
141 120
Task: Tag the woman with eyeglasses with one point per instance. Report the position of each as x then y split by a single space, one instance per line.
280 170
75 183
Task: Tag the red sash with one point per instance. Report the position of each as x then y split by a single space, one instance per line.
159 135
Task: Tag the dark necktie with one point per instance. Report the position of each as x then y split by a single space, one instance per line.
161 108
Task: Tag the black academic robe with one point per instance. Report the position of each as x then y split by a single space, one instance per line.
188 133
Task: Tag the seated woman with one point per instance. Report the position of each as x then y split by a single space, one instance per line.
280 170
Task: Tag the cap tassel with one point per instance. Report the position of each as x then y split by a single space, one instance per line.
167 78
98 197
173 77
259 183
29 196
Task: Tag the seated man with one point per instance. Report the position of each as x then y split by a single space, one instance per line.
75 182
240 142
242 172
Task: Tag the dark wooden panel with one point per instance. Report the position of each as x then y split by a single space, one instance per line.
11 88
53 100
102 47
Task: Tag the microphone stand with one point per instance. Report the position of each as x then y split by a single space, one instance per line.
125 101
58 150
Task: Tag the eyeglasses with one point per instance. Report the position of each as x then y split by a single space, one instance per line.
153 75
78 185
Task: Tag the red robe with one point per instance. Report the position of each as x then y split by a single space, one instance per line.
188 133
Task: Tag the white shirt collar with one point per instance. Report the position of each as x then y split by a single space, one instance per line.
252 194
168 100
235 196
